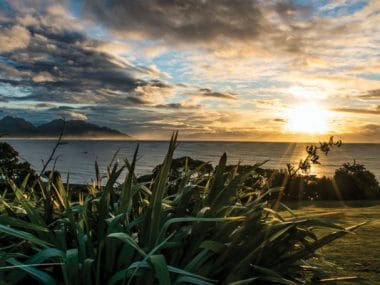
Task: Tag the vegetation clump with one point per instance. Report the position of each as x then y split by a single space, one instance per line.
357 181
350 182
11 167
188 229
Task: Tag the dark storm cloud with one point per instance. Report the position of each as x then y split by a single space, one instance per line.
200 21
64 66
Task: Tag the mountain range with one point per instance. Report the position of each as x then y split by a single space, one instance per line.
18 127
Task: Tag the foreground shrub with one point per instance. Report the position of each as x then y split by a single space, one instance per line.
192 229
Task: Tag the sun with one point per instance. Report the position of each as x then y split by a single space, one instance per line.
308 118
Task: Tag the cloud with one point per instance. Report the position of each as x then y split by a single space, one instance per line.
76 116
371 95
3 99
208 93
148 76
73 72
44 106
374 111
371 129
216 22
362 132
13 38
43 77
66 67
177 106
268 103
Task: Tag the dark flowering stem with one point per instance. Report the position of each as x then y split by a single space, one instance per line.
312 156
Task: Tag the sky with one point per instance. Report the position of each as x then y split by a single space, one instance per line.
245 70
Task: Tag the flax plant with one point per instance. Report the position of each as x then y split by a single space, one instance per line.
209 230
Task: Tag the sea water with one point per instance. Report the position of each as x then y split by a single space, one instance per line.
76 158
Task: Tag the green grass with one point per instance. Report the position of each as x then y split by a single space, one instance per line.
355 254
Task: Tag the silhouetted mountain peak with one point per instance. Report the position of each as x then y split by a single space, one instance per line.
11 126
15 120
16 126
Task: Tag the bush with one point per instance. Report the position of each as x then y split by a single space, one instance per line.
355 182
218 232
11 167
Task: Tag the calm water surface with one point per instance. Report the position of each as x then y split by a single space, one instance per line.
77 157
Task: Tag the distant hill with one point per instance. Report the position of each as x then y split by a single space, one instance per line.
17 127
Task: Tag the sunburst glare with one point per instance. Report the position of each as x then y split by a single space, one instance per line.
308 118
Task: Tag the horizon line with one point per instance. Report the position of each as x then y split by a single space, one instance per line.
133 139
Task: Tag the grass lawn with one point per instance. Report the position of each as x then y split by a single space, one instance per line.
357 254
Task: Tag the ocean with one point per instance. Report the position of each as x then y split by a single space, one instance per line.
76 158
